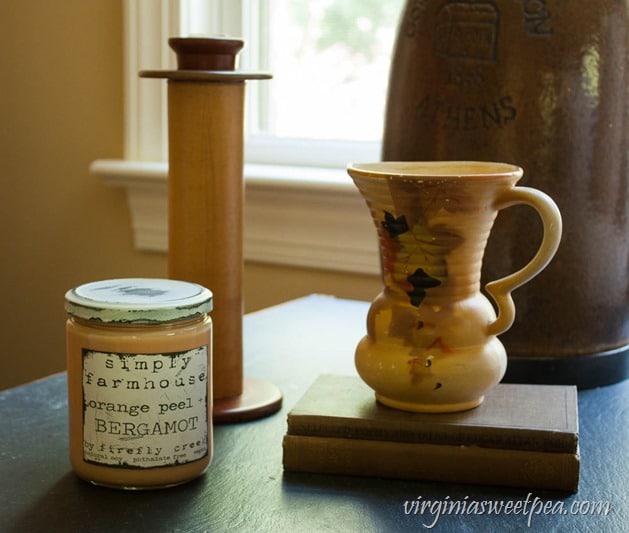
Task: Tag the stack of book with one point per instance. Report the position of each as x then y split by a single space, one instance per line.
520 436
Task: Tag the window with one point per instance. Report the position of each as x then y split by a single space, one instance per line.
322 109
329 60
330 63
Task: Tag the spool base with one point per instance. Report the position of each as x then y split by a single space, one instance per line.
259 399
584 371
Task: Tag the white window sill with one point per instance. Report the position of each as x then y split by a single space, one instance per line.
298 216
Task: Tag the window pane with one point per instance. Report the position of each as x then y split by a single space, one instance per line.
330 64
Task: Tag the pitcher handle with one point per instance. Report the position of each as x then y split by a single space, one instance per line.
500 290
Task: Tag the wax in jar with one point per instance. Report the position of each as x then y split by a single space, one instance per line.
139 355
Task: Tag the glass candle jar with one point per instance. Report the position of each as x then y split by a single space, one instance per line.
139 359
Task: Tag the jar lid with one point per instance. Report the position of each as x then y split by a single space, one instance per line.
138 301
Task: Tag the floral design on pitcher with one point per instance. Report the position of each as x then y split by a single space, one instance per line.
418 259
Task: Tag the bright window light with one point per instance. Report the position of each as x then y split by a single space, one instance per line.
330 63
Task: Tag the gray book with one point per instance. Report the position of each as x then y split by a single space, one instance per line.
513 416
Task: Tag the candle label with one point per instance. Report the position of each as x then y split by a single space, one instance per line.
145 410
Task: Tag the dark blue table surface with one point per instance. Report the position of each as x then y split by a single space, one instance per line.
245 488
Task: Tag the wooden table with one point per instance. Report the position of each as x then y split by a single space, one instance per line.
245 488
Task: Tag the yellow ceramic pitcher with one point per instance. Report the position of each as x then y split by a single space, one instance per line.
431 342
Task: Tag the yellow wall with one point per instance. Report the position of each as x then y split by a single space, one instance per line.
61 107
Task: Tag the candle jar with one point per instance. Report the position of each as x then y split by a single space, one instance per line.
139 359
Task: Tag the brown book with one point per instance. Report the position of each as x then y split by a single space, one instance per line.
435 462
513 417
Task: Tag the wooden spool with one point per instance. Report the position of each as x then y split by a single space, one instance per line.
205 204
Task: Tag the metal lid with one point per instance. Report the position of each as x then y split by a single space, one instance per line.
138 301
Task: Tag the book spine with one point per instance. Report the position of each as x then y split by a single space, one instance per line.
456 464
517 438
